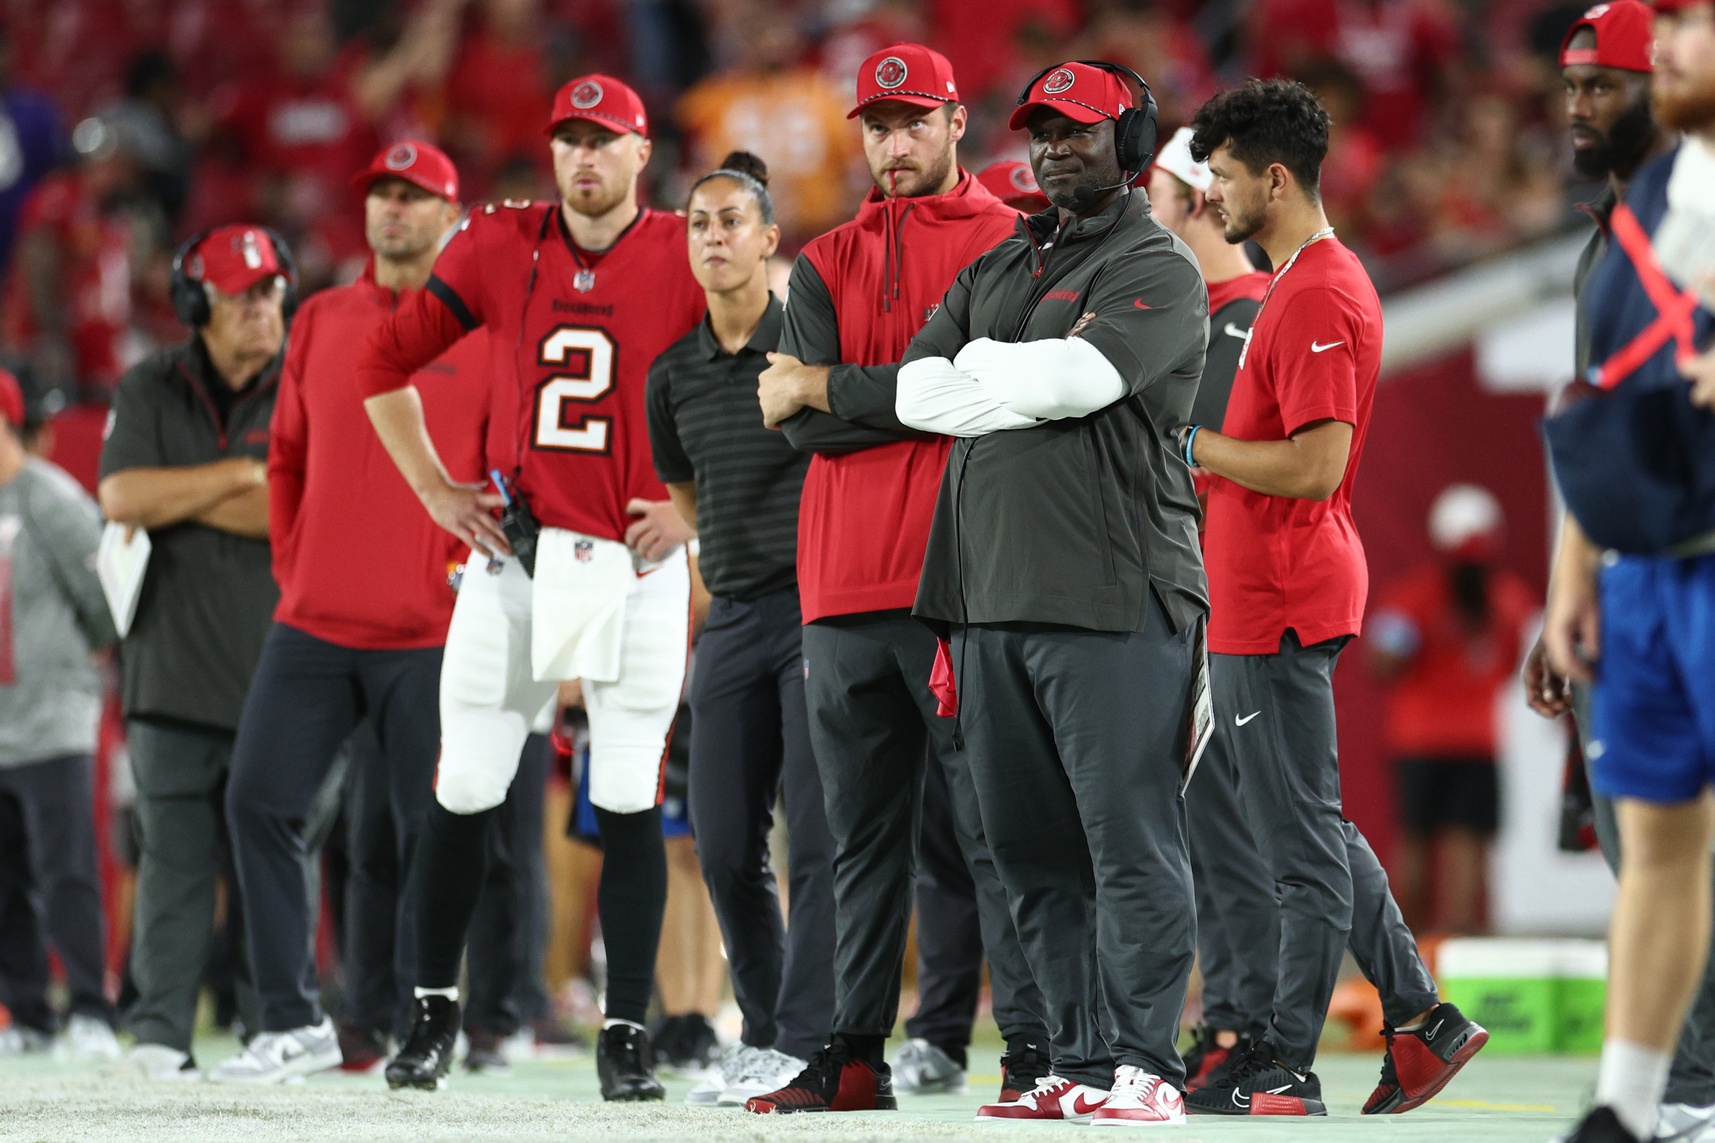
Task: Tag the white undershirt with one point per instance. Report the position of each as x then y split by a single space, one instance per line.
993 386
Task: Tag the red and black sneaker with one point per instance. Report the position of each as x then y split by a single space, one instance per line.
1258 1083
832 1081
1024 1065
1207 1056
1419 1063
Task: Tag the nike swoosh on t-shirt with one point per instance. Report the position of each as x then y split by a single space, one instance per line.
1316 348
1234 331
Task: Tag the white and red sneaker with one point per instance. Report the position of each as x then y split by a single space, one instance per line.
1052 1098
1140 1099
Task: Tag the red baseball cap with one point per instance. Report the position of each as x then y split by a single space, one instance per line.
420 164
600 99
1678 5
907 73
234 258
1625 36
1014 183
11 399
1078 91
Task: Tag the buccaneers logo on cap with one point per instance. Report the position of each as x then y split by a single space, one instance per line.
586 95
401 157
1596 12
890 72
1059 80
250 249
1023 180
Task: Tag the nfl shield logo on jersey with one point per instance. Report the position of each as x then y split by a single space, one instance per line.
584 551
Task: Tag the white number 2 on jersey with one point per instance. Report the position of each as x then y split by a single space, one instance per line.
589 354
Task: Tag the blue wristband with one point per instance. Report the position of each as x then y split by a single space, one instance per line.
1190 460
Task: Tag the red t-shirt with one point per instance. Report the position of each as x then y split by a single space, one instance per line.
1276 562
358 561
1444 704
567 366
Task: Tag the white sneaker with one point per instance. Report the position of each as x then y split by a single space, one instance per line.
89 1040
17 1040
1684 1123
275 1057
1140 1099
159 1062
1052 1099
760 1071
921 1068
708 1092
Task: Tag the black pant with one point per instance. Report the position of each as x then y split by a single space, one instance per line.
1279 711
874 728
949 931
1238 908
48 886
503 953
305 699
1077 742
750 743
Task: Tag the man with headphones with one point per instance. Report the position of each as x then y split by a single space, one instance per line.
1063 562
186 460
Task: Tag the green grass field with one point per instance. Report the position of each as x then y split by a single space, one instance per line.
1502 1099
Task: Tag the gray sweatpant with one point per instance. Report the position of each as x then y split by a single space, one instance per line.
1238 908
1279 711
1075 740
874 729
181 773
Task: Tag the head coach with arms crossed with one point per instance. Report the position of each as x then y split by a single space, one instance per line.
1063 556
186 459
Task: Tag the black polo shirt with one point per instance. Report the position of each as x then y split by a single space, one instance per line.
208 596
706 426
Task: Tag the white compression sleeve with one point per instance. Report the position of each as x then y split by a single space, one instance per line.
937 398
1048 380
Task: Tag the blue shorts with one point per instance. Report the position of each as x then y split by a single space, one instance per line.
1653 707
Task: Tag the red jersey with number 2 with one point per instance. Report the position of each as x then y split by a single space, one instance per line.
567 422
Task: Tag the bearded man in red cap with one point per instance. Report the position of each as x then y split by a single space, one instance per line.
586 574
858 295
186 461
362 617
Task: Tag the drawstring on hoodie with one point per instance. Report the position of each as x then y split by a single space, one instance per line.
893 243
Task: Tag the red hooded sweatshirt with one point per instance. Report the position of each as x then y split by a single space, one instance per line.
358 560
864 522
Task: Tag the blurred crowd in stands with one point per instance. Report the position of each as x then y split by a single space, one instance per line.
126 125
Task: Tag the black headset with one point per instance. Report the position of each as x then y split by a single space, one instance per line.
190 299
1135 132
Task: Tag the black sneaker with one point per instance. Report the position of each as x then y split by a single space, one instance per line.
487 1054
1024 1065
664 1039
698 1045
361 1049
1206 1059
1600 1126
428 1051
1258 1083
831 1081
1420 1063
623 1061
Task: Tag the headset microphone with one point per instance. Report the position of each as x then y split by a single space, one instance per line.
1090 194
